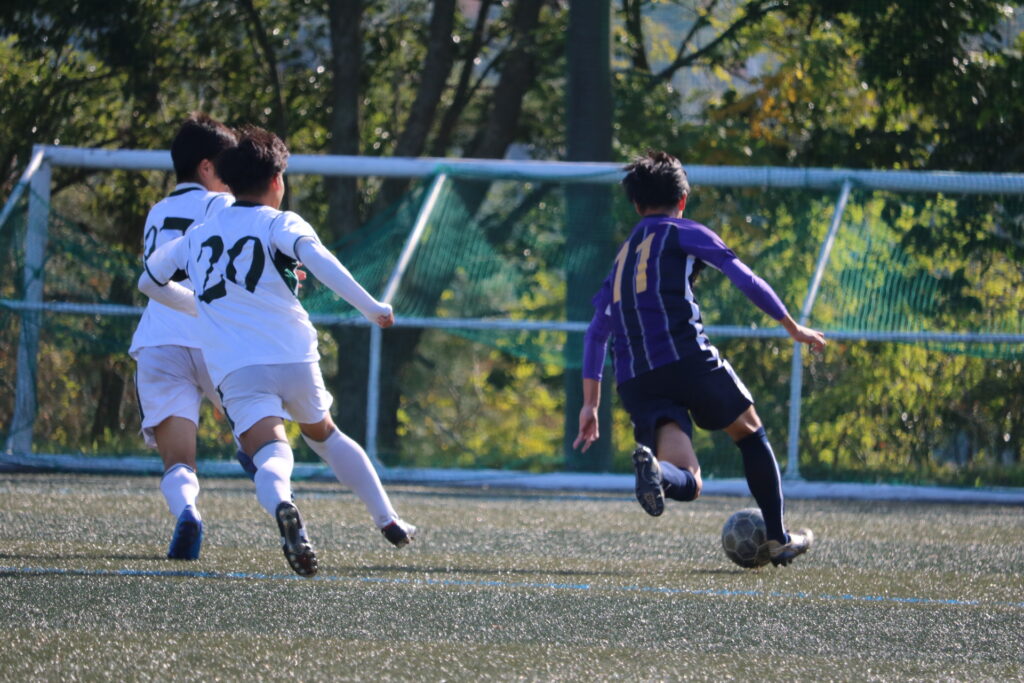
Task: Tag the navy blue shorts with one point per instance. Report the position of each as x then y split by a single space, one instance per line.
676 392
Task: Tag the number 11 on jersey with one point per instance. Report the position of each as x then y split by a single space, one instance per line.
640 277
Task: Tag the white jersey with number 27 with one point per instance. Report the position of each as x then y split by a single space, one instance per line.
242 266
170 218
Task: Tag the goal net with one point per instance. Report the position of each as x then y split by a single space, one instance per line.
916 279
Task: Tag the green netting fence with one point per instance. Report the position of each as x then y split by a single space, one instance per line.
920 295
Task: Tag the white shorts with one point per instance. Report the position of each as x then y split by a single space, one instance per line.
171 381
290 391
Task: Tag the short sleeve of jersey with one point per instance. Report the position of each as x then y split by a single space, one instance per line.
163 263
286 231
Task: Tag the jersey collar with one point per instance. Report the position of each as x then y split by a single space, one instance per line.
182 188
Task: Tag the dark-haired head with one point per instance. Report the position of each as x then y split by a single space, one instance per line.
249 167
655 181
200 138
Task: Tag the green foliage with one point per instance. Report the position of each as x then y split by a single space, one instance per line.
906 408
873 85
489 411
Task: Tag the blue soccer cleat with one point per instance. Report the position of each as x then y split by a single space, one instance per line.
247 464
188 536
648 481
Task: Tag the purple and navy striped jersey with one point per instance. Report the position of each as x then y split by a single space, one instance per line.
647 304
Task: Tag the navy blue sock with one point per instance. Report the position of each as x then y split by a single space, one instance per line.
677 483
765 483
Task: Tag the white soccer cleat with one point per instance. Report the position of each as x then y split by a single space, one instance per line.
799 543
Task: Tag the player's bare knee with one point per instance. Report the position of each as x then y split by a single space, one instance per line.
745 425
318 431
174 458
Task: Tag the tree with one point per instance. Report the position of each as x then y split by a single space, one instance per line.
502 106
345 19
589 232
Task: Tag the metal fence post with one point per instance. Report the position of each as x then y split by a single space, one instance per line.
373 396
797 375
38 152
373 372
19 437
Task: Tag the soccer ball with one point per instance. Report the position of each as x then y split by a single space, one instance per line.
743 537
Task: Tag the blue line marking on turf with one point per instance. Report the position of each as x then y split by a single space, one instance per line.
479 583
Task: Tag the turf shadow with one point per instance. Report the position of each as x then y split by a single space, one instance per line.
454 571
77 556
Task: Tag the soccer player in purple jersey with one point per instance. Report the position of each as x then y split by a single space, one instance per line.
668 374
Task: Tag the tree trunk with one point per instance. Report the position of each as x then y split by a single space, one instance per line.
463 93
436 69
518 73
588 244
107 416
348 383
345 17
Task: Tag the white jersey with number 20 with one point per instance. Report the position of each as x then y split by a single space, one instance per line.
242 266
169 219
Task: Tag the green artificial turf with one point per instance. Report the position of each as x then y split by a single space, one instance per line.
499 585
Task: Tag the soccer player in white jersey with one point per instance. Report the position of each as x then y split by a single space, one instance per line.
171 377
259 343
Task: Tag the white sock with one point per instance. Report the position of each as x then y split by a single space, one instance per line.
180 487
274 462
352 468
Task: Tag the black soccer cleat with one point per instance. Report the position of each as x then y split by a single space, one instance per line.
648 481
399 533
294 542
799 543
188 536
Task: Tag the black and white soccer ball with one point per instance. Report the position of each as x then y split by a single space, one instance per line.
743 539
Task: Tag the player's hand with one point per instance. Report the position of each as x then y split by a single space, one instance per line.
804 335
813 338
300 275
386 320
589 432
381 315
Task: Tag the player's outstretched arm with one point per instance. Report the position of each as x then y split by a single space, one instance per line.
765 298
595 345
156 280
805 335
329 270
589 431
172 294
